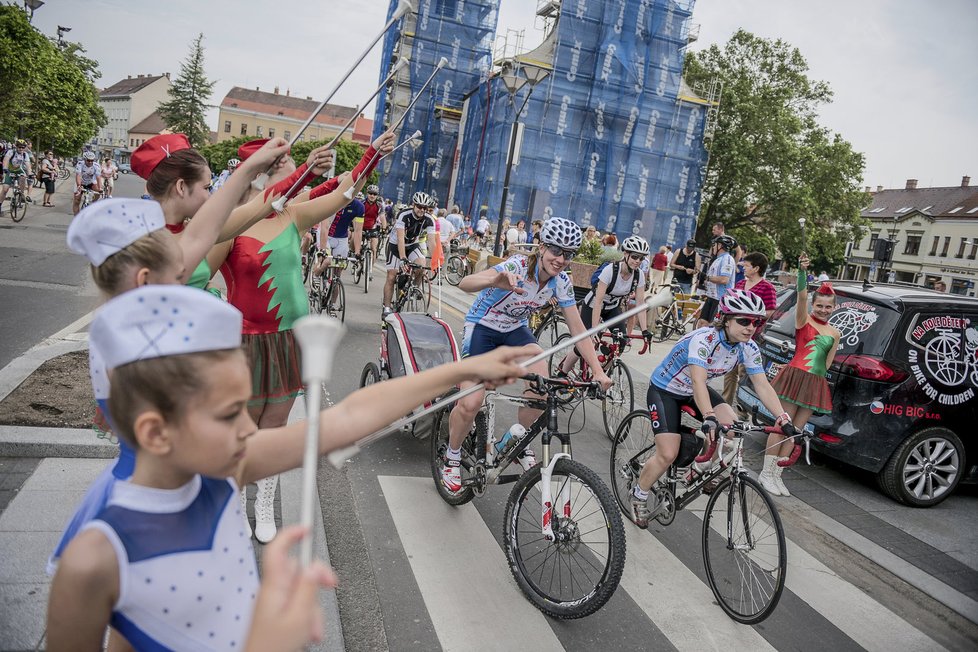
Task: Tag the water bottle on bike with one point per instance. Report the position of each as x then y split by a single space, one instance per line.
515 433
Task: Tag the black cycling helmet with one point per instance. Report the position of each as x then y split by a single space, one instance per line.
726 241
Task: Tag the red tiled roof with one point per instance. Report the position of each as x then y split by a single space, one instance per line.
128 86
286 106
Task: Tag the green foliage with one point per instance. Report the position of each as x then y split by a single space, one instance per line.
46 93
184 111
610 256
770 161
348 154
589 252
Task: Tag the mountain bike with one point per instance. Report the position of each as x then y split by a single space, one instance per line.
619 400
563 538
408 294
743 542
18 200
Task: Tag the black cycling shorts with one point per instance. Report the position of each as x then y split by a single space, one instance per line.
664 408
709 311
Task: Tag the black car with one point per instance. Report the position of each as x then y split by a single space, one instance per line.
903 386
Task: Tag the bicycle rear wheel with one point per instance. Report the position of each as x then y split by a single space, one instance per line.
619 400
551 329
454 269
356 270
577 573
633 445
316 294
746 569
439 444
336 301
664 329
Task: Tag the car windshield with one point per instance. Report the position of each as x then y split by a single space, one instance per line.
866 327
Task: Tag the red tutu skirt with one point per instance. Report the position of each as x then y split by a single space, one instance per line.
803 388
275 367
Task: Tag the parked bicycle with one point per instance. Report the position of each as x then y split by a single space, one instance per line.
619 400
743 540
679 318
408 293
563 538
458 266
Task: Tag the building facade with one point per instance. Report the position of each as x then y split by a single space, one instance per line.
935 236
260 114
126 104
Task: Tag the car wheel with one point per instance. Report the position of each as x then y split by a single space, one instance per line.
925 469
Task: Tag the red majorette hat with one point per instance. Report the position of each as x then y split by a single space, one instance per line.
148 155
825 288
250 148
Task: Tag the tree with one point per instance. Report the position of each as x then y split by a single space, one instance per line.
770 161
184 111
47 93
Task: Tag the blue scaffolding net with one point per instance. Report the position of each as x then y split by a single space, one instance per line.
612 137
461 31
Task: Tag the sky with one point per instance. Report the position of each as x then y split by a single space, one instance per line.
904 73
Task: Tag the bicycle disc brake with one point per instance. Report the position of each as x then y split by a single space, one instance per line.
667 506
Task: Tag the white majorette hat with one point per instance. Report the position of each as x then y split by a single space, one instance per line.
154 321
110 225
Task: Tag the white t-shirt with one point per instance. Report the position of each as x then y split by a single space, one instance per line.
723 265
482 226
446 228
623 286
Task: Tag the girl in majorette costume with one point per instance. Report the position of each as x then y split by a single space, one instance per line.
128 246
263 272
801 383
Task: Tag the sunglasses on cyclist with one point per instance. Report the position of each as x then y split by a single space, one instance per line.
638 257
748 321
556 252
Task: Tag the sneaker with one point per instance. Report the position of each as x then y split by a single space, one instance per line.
527 459
386 311
451 476
641 513
28 200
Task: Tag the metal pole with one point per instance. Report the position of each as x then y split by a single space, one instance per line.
497 249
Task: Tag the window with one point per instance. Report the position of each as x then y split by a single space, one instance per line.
912 247
259 131
244 129
227 126
271 132
974 249
933 249
960 254
955 210
947 243
873 237
973 210
905 209
288 135
878 210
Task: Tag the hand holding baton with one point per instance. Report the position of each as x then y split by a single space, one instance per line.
414 138
402 8
318 336
338 457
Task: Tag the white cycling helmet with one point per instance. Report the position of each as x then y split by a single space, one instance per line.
360 196
89 156
233 163
373 189
562 233
422 199
635 244
742 302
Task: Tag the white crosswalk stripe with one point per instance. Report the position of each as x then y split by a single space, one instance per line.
447 547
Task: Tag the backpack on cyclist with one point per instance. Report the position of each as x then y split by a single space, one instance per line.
614 279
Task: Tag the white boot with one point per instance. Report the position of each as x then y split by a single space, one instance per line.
243 495
778 470
766 477
265 509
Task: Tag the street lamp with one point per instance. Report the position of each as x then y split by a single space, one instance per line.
61 32
514 81
30 6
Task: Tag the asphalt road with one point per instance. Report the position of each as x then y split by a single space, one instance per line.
43 286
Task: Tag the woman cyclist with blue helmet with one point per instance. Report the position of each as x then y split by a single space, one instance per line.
680 379
508 294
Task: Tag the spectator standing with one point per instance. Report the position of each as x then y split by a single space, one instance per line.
535 236
755 266
684 265
455 217
48 173
659 263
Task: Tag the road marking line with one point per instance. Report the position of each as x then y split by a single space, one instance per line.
40 285
452 552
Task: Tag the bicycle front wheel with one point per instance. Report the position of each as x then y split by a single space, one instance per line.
316 294
336 306
18 207
575 574
356 270
415 301
550 330
454 269
368 267
619 400
744 549
633 445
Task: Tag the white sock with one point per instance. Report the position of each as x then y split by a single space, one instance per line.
638 493
453 454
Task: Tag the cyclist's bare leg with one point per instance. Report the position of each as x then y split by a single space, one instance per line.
463 415
389 287
3 192
666 450
527 415
76 202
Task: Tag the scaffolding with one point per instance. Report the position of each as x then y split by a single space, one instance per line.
612 137
462 31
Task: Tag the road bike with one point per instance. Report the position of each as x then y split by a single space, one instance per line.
457 266
409 295
563 538
363 269
609 346
18 200
743 542
679 318
326 292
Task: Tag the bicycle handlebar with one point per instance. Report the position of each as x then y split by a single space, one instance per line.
615 336
562 384
741 428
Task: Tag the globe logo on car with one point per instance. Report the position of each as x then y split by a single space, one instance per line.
876 407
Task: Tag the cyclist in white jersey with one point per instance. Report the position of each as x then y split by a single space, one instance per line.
403 244
680 379
508 294
87 174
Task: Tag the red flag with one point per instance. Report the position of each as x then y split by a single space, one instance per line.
437 254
